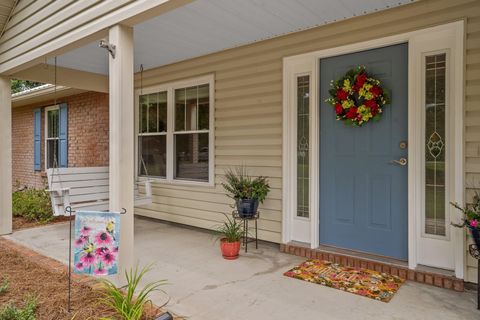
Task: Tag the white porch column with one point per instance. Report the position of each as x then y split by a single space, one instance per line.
5 157
122 138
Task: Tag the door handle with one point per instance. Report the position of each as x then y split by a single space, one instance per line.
401 162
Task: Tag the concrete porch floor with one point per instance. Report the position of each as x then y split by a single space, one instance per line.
205 286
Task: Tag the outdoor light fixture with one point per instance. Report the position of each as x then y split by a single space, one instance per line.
165 316
110 47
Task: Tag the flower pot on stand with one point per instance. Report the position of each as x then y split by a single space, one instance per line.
475 235
230 250
247 208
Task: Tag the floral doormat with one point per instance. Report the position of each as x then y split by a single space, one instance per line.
364 282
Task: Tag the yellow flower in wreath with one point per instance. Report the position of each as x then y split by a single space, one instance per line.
347 86
347 104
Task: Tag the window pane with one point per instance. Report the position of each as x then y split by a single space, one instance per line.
203 107
52 153
143 113
435 145
153 112
53 123
303 115
162 112
152 150
180 110
191 156
192 108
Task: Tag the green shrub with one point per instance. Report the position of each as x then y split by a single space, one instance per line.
10 312
33 205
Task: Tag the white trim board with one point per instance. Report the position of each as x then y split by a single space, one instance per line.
308 63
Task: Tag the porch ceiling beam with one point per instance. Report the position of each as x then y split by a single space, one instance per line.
121 113
6 157
82 32
65 77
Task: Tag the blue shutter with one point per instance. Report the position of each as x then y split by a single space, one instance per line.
63 137
37 126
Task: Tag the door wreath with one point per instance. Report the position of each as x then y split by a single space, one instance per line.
357 97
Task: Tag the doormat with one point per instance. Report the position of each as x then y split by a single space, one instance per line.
364 282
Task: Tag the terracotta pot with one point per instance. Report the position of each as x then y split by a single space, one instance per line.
230 250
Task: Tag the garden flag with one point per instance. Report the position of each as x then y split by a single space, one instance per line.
95 250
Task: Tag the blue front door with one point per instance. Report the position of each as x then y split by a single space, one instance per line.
363 195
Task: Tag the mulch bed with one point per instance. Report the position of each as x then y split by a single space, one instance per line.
19 223
29 273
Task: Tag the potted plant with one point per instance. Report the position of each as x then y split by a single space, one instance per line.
230 233
247 191
471 218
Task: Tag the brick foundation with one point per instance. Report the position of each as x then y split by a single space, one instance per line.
430 278
88 131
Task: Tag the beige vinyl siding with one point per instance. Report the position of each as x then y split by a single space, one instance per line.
248 109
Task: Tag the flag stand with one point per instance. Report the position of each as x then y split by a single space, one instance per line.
69 210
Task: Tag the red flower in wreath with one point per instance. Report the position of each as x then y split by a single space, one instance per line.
357 97
352 113
342 95
376 91
371 103
338 109
361 79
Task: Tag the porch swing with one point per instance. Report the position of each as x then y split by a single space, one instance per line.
86 188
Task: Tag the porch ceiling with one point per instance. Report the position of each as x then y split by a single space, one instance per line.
207 26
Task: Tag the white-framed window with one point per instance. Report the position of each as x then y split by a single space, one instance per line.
52 137
175 131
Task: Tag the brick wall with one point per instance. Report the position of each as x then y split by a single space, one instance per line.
87 136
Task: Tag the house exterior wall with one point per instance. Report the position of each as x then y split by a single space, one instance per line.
87 136
248 107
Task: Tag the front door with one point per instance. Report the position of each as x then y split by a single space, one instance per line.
363 193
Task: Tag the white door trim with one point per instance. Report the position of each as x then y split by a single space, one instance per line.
308 63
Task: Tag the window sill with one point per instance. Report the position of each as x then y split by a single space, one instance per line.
178 183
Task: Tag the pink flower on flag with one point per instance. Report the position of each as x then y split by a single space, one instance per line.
79 266
103 238
101 251
87 259
100 271
80 241
85 230
108 258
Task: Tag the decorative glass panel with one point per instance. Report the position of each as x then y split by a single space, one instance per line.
303 116
152 155
435 82
191 156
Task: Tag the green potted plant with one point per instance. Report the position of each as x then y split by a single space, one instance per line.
230 233
246 191
471 218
